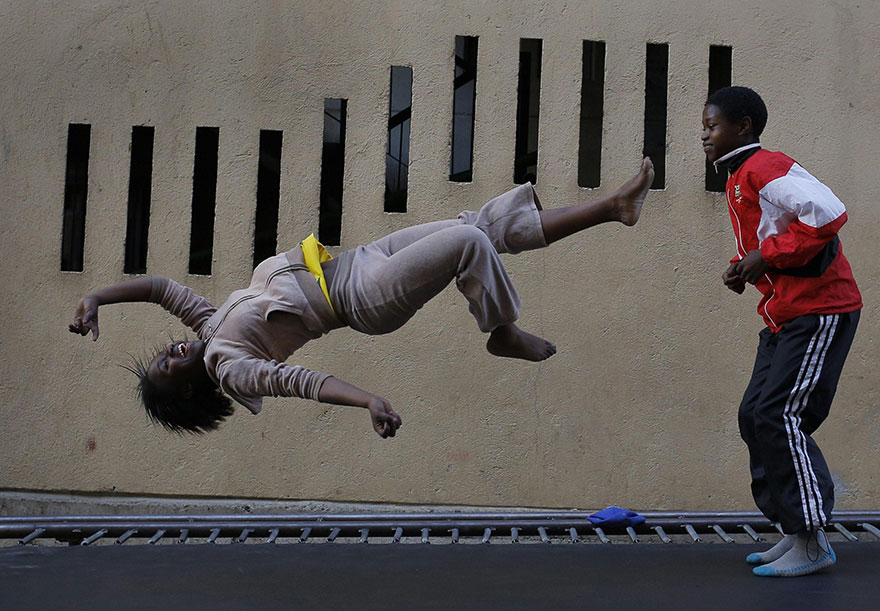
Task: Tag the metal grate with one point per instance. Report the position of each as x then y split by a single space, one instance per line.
485 528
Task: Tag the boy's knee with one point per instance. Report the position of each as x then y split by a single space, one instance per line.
470 236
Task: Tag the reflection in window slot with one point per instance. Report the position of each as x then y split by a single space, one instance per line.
464 99
397 152
332 171
528 98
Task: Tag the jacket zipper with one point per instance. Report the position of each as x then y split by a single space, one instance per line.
243 298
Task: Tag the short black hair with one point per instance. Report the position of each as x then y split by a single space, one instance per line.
739 102
199 413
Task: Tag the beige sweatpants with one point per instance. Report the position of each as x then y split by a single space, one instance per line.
378 287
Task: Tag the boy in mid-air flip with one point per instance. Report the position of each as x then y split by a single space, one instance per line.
785 224
302 294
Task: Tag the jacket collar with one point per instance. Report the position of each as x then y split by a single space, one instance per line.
735 158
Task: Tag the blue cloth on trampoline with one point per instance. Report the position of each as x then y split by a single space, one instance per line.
615 516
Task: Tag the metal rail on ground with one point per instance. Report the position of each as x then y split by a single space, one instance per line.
550 526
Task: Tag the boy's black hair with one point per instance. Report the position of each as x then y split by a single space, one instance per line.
203 411
738 102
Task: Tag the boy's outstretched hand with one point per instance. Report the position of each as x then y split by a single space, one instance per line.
385 420
732 279
752 267
85 317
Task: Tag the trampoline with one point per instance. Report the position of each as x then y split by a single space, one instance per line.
505 561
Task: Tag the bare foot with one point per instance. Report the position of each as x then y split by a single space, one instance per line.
513 342
630 197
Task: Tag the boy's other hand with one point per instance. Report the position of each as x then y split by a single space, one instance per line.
385 420
85 317
732 280
752 267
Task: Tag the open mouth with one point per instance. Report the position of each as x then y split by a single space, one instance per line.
182 350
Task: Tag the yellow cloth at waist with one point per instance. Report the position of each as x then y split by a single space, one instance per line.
314 254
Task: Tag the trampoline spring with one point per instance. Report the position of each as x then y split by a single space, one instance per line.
751 532
305 534
632 534
487 534
514 535
244 534
843 531
870 528
601 534
693 533
273 534
543 532
398 533
662 534
720 532
778 527
32 536
94 537
333 534
365 534
159 534
573 533
215 532
425 532
455 535
126 536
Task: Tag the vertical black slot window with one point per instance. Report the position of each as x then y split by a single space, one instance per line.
332 171
720 74
464 100
140 178
201 241
656 81
76 187
592 109
528 97
268 194
397 154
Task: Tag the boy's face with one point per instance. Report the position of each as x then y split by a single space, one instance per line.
721 136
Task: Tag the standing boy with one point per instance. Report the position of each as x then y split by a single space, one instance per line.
785 224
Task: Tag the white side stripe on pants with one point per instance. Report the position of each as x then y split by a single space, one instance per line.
807 378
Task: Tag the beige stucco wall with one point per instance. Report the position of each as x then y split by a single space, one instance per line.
637 408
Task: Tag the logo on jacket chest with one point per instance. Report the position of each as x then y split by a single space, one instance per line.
737 194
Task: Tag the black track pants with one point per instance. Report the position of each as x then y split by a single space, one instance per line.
789 395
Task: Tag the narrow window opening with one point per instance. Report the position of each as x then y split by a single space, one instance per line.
76 183
397 153
656 81
592 108
464 99
720 74
268 194
332 171
139 186
201 243
528 95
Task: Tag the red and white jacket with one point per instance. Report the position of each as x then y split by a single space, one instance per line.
779 207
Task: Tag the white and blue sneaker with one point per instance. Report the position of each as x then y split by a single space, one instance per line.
810 553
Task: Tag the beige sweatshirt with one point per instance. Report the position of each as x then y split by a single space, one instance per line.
249 338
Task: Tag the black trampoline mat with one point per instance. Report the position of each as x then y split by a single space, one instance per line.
714 577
